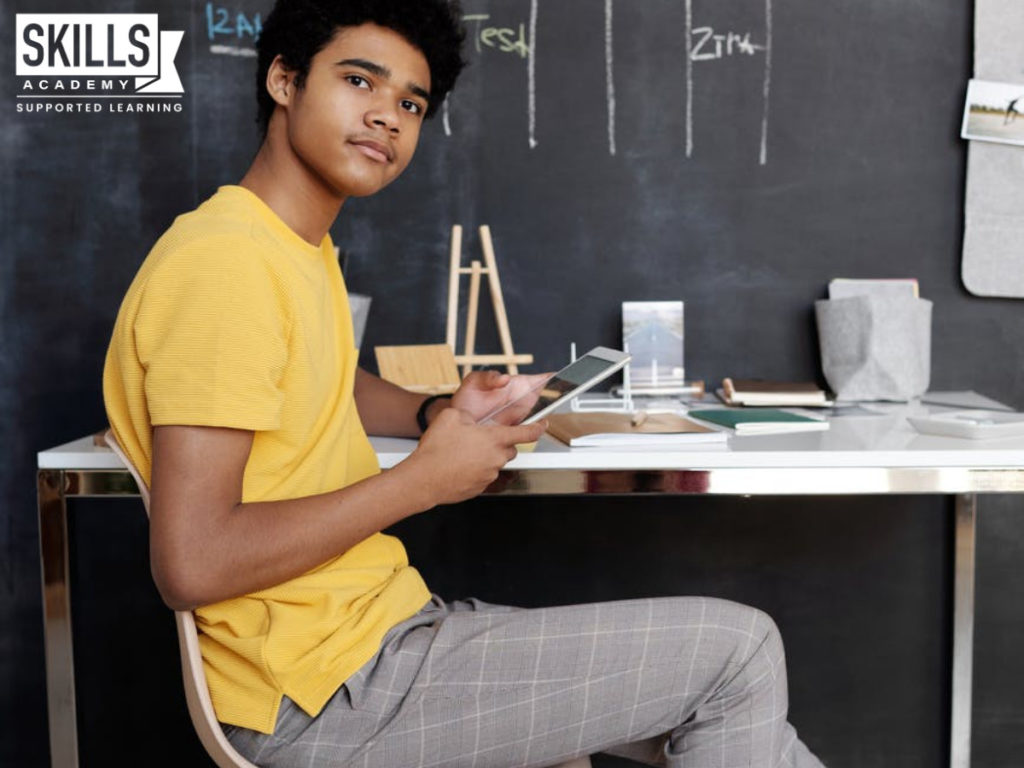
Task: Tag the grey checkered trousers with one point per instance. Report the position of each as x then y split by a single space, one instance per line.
680 681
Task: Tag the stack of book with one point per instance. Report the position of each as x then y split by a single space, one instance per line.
843 288
758 392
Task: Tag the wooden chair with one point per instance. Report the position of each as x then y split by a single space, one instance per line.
197 694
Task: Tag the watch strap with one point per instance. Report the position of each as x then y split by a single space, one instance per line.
421 414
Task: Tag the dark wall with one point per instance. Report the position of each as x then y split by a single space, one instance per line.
743 207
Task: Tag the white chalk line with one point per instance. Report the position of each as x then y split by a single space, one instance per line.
609 75
689 79
231 50
767 79
531 74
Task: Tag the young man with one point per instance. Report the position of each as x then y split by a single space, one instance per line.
231 382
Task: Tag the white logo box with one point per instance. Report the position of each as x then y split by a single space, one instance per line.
93 44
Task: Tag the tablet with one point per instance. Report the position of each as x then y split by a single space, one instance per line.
543 397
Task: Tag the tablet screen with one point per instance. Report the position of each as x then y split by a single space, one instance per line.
543 396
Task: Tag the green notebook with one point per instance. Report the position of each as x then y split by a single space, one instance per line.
759 421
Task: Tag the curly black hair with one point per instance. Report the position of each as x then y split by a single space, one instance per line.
299 29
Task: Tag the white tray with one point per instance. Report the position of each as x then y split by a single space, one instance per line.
971 424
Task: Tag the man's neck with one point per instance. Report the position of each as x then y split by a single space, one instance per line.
290 190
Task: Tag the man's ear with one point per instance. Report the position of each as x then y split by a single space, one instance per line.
280 81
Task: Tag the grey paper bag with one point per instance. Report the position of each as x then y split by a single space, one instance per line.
875 347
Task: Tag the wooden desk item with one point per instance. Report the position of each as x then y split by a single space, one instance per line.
433 368
475 270
426 368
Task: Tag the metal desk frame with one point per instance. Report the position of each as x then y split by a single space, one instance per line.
56 486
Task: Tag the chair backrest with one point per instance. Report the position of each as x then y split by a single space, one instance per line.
197 694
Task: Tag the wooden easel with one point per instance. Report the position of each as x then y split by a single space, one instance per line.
469 358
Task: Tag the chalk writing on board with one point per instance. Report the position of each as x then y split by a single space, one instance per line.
503 39
231 32
510 40
518 40
705 44
500 39
708 45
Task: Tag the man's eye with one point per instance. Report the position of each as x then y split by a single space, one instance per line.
358 80
411 106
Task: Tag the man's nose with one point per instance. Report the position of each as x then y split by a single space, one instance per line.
383 116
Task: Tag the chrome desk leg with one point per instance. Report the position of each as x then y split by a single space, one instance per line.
60 667
963 632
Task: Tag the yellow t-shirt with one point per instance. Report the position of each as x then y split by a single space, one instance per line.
234 320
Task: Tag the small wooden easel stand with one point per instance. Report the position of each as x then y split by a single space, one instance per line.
433 368
469 358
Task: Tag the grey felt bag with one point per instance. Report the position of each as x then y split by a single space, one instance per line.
875 347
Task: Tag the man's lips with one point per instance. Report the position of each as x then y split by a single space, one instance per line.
374 150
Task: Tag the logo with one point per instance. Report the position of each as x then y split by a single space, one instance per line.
96 62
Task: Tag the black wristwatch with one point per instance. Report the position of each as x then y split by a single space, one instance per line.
421 414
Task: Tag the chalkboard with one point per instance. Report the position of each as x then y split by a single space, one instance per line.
732 154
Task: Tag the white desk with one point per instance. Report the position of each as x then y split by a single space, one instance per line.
879 454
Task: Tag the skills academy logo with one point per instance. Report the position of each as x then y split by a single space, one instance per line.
96 62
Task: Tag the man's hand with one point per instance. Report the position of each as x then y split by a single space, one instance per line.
458 458
483 392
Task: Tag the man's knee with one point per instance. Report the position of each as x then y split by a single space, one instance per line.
750 646
751 629
766 628
730 631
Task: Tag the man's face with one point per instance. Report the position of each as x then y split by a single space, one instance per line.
356 121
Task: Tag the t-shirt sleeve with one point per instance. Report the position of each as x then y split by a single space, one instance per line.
211 334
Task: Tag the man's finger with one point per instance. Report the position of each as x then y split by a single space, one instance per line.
526 433
486 379
495 379
531 380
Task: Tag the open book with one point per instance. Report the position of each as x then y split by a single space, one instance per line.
595 429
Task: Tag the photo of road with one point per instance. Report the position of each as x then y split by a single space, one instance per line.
652 332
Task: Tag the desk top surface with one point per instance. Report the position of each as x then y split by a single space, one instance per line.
883 439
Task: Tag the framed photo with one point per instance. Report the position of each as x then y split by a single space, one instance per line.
652 332
994 112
